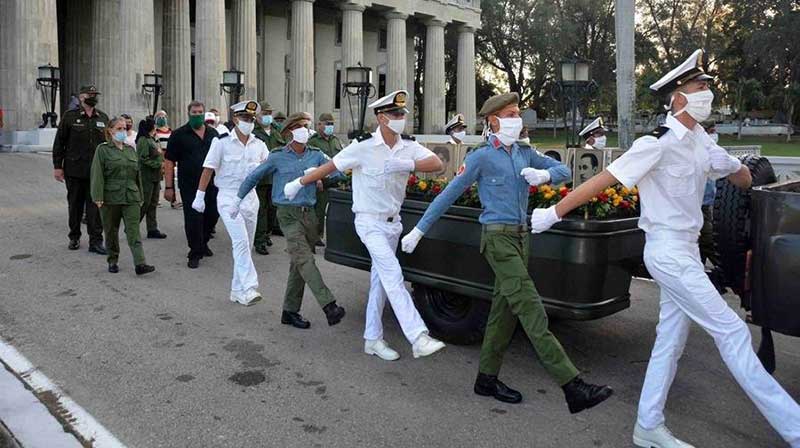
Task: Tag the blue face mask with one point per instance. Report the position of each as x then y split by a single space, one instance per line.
328 129
266 120
120 136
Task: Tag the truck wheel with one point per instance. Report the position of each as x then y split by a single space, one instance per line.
450 317
766 351
732 225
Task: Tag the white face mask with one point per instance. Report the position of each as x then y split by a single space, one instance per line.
300 135
509 130
526 140
698 105
599 142
245 128
397 126
459 135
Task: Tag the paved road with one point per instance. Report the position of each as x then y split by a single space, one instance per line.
167 361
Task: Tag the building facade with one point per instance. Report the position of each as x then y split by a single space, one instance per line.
293 53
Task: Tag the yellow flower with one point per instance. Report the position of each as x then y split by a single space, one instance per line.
545 188
549 194
610 191
617 200
624 191
635 190
594 199
422 185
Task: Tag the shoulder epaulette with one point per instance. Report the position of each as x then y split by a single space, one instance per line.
659 131
408 137
221 136
363 136
313 148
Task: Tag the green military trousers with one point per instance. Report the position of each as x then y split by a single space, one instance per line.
515 297
150 196
111 216
299 225
322 205
263 224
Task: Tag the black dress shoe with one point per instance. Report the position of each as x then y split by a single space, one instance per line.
207 252
269 241
333 312
277 232
490 386
156 234
144 269
113 268
74 244
193 263
294 319
581 395
98 249
320 244
262 249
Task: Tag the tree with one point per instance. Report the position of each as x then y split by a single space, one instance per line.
747 96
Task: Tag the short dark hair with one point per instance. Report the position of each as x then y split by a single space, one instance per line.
126 116
195 103
592 158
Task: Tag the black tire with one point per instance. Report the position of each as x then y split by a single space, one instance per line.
450 317
732 225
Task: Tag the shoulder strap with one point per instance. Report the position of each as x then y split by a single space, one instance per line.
408 137
363 136
659 131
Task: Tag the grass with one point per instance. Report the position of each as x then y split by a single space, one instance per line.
770 146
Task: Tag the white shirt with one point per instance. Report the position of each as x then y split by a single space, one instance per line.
131 139
671 173
232 161
222 129
374 191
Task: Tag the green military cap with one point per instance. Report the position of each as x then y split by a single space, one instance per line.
280 116
89 89
296 118
265 106
325 117
498 102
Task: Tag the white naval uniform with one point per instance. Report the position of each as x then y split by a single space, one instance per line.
671 172
232 162
377 198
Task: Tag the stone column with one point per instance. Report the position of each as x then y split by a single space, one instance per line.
177 62
465 77
109 59
28 32
243 50
209 53
626 83
352 54
397 57
301 78
434 88
76 69
137 43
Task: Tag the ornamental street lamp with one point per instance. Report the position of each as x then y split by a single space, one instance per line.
153 84
233 85
358 86
48 82
575 84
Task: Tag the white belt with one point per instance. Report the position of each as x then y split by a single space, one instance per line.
667 235
380 216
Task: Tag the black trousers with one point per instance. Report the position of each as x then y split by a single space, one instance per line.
198 226
79 199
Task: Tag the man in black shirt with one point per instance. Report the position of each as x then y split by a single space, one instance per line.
187 147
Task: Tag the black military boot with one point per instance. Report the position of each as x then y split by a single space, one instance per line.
156 234
113 268
581 395
490 386
261 249
294 319
269 241
97 248
74 244
144 269
207 252
333 312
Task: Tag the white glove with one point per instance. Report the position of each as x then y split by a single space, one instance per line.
199 203
535 177
291 189
398 166
723 162
543 218
234 212
309 171
410 241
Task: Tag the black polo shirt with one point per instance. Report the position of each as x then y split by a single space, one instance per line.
189 151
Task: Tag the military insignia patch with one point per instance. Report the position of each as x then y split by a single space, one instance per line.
461 169
400 99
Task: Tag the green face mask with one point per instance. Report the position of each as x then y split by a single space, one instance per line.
277 125
196 121
161 121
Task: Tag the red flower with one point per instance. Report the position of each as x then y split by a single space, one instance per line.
436 189
412 179
602 197
533 189
563 191
625 204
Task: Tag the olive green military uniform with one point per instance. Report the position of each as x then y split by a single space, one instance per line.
116 182
330 146
150 161
267 217
73 150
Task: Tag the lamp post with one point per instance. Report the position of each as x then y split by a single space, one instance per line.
48 82
233 85
575 84
152 84
358 85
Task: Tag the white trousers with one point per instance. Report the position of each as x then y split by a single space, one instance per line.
242 231
688 295
386 279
